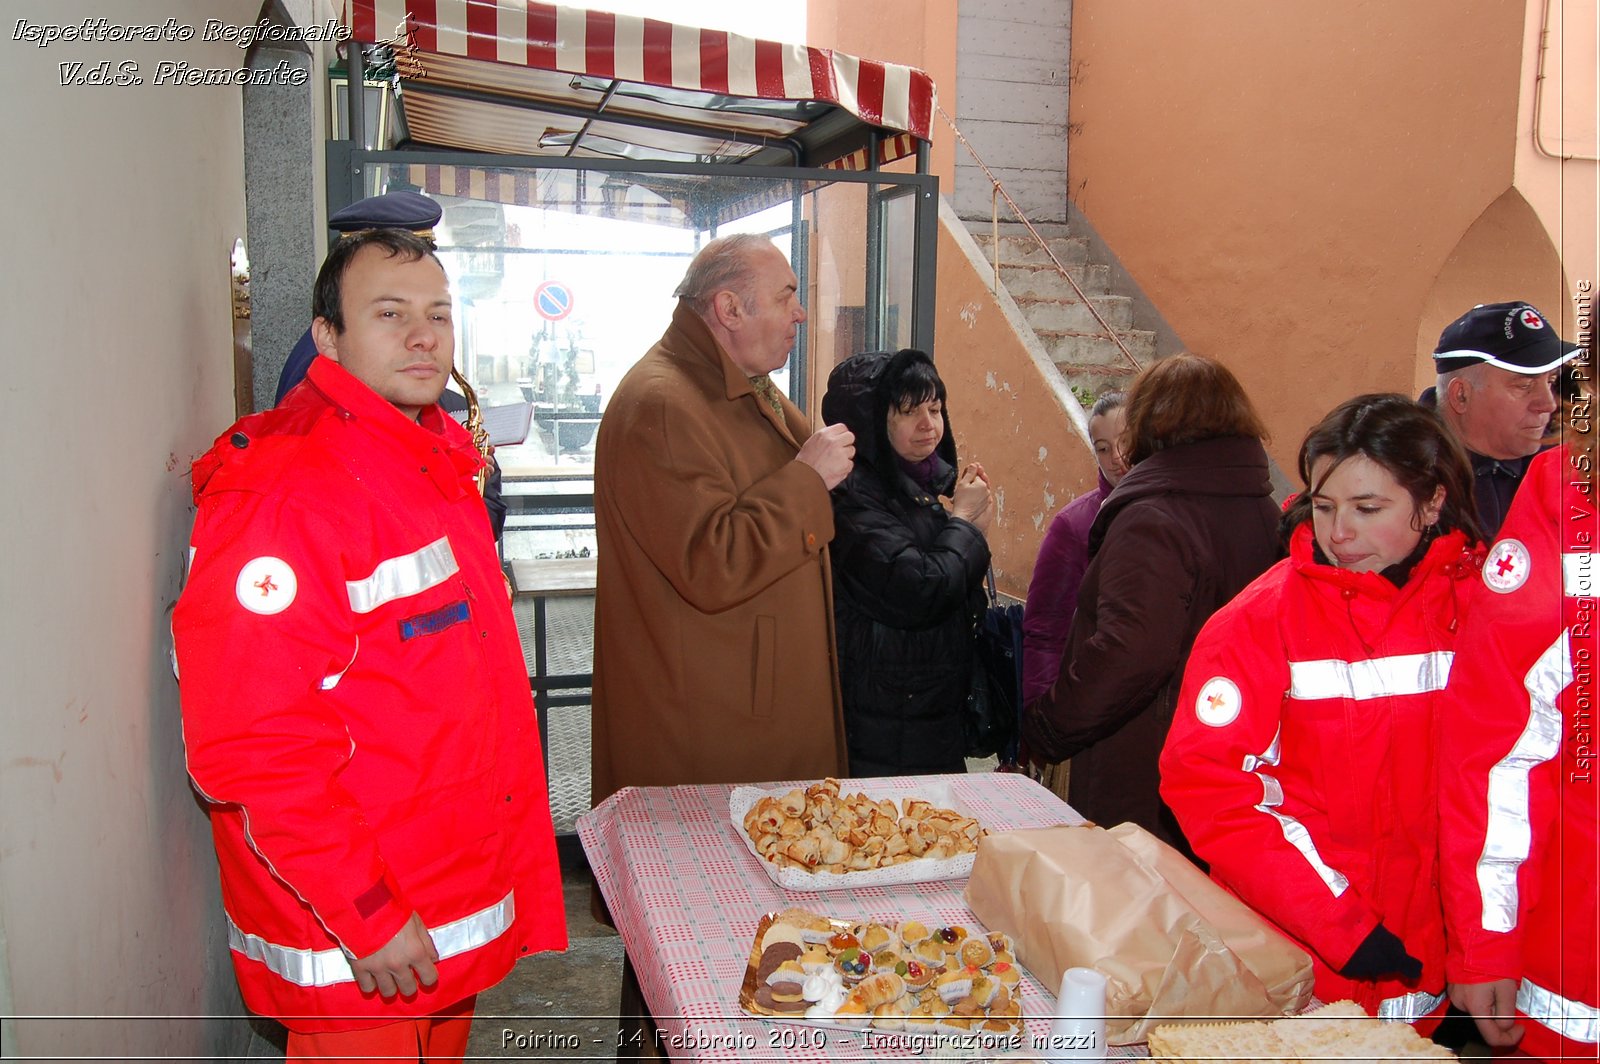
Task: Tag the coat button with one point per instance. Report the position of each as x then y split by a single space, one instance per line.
239 440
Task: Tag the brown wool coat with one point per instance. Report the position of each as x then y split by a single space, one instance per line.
713 649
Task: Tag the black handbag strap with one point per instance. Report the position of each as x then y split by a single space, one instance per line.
988 586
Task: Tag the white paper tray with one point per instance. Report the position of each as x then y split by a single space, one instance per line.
921 870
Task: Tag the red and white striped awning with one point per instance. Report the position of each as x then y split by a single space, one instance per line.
474 74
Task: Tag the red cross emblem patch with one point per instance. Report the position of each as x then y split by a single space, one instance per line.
1507 567
1218 702
266 586
1531 320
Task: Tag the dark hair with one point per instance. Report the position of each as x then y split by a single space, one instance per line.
910 380
1185 399
1408 440
1108 401
327 295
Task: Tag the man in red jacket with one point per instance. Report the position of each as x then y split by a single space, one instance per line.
1519 803
355 708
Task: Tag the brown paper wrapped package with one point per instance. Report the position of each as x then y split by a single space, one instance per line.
1169 941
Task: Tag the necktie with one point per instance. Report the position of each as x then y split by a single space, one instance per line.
762 383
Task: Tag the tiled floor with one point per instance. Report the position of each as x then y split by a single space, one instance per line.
569 638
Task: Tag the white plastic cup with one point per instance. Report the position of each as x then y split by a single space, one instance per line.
1079 1029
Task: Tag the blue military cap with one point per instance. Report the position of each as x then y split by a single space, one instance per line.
392 210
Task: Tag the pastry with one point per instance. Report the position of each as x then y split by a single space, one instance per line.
976 952
853 965
950 938
930 952
953 986
913 932
773 957
765 1001
787 972
814 959
874 937
879 989
917 975
817 829
782 932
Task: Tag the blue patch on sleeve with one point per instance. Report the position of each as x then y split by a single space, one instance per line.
434 621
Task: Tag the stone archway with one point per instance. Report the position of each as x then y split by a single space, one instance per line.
1505 254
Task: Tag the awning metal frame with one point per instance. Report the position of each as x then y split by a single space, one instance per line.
348 160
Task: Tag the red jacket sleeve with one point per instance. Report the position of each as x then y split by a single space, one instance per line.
1502 729
264 622
1219 775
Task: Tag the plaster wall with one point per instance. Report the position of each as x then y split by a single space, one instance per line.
126 201
1011 88
1009 409
1287 181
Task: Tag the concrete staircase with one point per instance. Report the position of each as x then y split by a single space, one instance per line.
1087 358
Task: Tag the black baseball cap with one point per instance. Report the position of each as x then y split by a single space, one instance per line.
1513 336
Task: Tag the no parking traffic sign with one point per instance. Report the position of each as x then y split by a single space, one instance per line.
553 300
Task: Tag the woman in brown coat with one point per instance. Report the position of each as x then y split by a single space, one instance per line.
1189 526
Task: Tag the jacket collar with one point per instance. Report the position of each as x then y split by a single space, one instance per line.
434 434
1450 552
690 337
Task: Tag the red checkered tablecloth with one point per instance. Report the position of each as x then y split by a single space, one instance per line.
686 895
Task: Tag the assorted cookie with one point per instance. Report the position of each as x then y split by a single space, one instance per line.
947 980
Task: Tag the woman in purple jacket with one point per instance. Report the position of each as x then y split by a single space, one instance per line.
1064 555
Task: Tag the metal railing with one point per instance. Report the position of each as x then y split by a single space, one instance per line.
999 193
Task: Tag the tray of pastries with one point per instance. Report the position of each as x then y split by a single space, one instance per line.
823 837
907 977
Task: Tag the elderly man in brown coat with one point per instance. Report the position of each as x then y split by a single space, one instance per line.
713 654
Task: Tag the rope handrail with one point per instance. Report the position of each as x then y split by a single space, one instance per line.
1001 193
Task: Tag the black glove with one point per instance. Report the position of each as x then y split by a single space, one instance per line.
1381 955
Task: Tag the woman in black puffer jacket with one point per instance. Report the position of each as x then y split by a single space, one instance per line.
907 570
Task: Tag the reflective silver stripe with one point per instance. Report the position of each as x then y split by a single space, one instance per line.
1273 752
1578 574
408 574
328 967
1568 1018
330 681
1403 674
1409 1008
1294 831
302 967
1509 836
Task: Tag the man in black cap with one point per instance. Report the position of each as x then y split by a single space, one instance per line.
418 214
1497 365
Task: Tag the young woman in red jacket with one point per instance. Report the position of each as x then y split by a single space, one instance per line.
1301 760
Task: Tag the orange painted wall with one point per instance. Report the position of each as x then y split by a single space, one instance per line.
1558 139
1287 180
